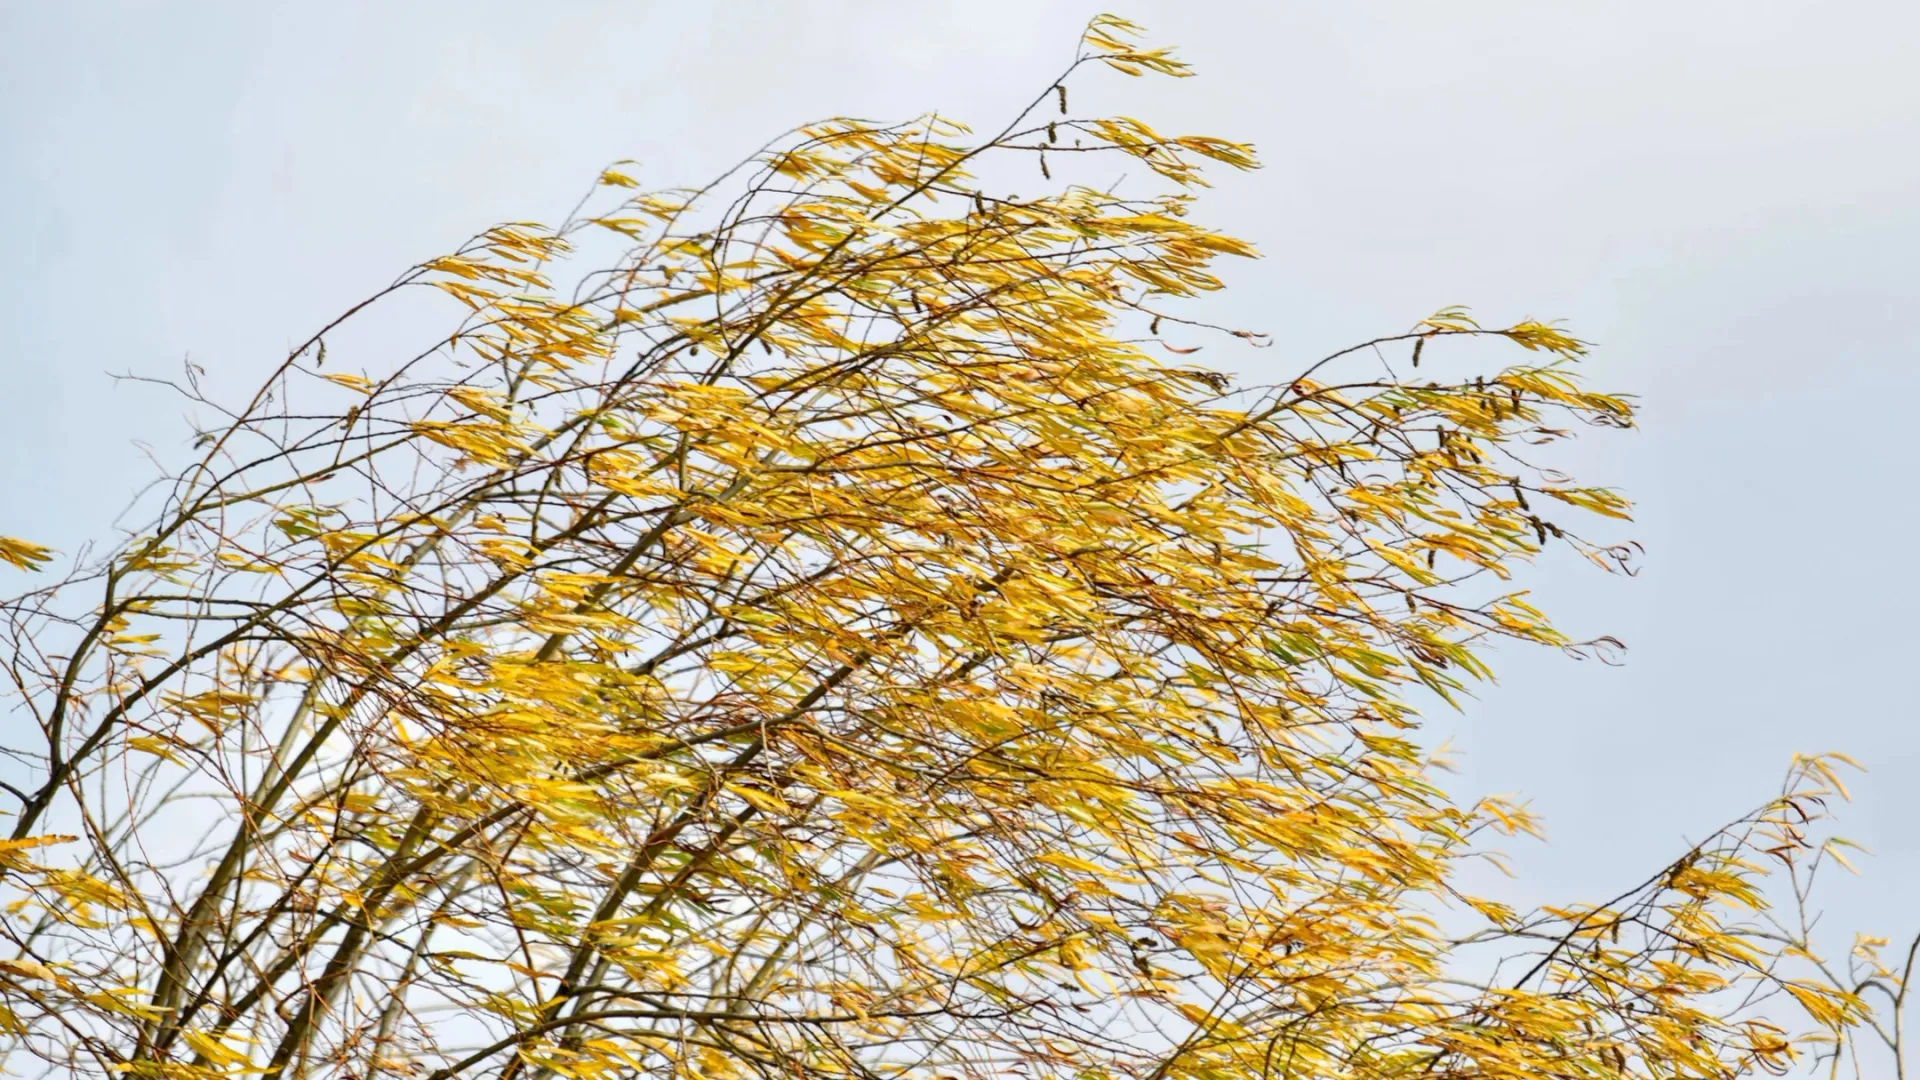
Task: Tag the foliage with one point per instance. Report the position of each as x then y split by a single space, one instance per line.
832 639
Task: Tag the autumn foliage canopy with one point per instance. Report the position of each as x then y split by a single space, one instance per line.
839 632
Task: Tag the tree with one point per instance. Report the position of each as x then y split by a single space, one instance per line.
832 639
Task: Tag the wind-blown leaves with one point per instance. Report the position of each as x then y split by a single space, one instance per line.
22 554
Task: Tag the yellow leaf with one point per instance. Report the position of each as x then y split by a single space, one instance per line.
157 745
351 382
27 968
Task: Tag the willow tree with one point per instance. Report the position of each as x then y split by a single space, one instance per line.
840 635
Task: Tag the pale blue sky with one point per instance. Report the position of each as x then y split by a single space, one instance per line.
1724 196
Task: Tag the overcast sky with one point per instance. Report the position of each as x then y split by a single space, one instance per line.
1724 196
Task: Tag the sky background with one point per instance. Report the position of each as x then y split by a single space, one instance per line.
1724 197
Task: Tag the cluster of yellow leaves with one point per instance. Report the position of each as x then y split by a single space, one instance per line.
23 555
